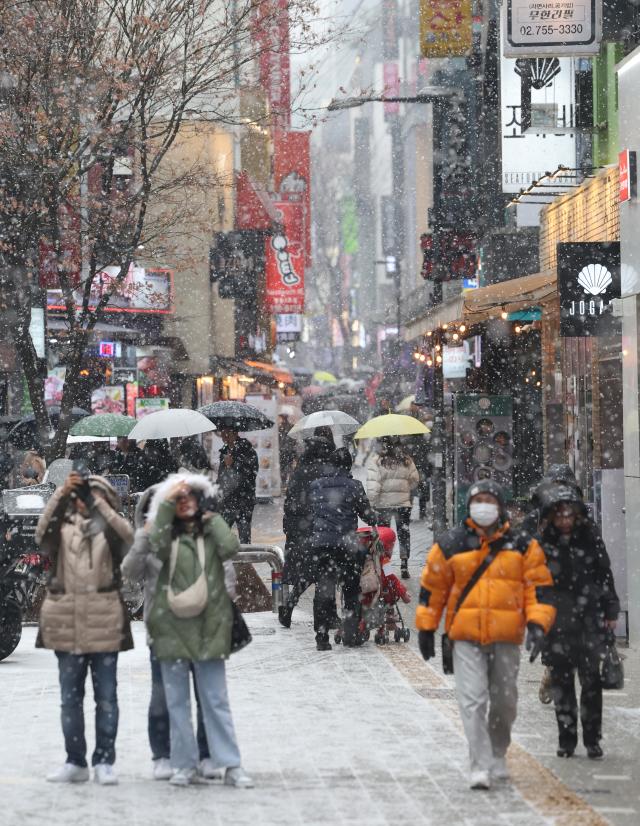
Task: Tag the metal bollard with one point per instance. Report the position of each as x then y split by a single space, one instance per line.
273 555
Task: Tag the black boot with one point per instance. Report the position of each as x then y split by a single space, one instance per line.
595 752
322 642
404 569
284 615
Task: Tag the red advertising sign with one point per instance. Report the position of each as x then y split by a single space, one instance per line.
272 37
285 262
292 176
627 167
391 81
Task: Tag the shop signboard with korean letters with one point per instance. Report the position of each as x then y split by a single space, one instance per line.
535 28
588 281
536 91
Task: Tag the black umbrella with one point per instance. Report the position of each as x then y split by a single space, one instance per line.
236 416
24 434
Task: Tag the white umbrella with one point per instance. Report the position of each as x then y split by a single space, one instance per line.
176 423
341 424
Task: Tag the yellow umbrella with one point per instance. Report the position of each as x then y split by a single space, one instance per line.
391 424
324 377
406 403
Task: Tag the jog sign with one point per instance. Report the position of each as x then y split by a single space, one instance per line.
588 280
534 28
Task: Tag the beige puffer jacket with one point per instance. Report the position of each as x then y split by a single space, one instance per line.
83 612
390 485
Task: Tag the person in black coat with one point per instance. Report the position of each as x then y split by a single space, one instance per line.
336 500
557 474
237 479
316 461
587 606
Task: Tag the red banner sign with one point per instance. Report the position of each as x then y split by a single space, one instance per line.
285 261
627 166
292 176
272 35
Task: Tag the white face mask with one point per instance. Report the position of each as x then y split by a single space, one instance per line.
484 513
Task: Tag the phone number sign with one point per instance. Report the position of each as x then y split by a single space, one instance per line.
552 27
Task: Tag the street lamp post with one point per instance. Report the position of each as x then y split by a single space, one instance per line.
438 96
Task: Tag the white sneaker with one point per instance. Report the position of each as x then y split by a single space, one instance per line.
183 777
480 780
238 777
207 770
162 769
105 775
499 770
69 773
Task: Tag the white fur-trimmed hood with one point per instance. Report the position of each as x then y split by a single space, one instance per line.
194 480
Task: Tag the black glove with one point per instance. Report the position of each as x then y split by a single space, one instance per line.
427 644
535 640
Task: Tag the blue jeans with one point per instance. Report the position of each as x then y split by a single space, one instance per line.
211 682
158 717
72 670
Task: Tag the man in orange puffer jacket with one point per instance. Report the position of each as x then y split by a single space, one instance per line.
489 626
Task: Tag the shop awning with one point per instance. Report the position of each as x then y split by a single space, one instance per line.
509 296
254 207
278 373
448 312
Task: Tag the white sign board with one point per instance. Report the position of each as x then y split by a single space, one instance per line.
526 156
267 447
37 331
288 323
455 362
534 28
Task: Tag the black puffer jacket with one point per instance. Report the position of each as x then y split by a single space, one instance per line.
316 461
336 501
584 592
238 482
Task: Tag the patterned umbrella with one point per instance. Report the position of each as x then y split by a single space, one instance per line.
104 424
236 416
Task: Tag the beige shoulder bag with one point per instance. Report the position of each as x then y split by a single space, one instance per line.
192 601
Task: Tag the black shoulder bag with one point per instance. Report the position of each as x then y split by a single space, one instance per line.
447 644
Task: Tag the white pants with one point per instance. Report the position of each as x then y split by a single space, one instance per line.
487 692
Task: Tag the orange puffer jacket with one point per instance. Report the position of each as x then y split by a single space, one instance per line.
513 591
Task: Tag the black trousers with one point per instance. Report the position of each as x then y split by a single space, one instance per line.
563 689
337 566
403 521
240 516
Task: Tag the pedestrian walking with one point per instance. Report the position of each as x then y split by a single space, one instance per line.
142 566
419 450
391 479
336 500
316 460
190 620
83 617
237 479
587 611
494 583
154 463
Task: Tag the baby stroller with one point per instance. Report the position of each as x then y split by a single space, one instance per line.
380 590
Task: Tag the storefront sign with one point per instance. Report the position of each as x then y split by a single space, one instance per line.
284 264
528 86
628 175
151 405
107 349
267 447
109 399
143 290
455 362
272 38
551 27
288 327
588 280
292 176
446 28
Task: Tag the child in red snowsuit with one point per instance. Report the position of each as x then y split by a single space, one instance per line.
392 588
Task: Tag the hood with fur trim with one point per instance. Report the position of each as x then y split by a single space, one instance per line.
195 481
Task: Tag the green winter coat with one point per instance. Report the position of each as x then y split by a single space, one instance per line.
207 636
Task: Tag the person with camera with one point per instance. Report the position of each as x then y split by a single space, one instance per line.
83 617
495 584
190 621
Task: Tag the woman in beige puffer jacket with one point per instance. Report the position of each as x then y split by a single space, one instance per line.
83 617
391 477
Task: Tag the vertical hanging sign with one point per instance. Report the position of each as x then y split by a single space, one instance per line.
272 35
284 264
446 28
